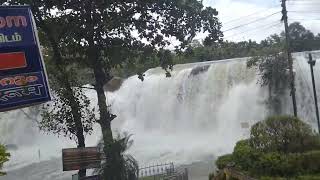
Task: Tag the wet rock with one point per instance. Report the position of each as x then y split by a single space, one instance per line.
11 147
199 69
114 84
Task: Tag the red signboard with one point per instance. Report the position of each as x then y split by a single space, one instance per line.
13 60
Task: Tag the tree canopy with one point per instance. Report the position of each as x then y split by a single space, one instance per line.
103 35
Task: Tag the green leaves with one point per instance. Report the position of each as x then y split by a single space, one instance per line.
284 134
4 157
280 146
58 117
119 161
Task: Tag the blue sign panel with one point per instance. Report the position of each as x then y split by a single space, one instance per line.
23 81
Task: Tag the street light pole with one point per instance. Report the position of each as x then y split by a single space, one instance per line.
313 63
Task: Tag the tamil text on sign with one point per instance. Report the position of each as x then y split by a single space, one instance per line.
23 81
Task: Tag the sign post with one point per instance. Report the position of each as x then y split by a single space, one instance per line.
80 158
23 80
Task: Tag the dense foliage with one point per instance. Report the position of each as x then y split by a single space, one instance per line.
126 163
302 39
272 66
268 51
281 146
105 35
4 157
57 116
283 134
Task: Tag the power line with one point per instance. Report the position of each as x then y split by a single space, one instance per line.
251 22
268 26
270 29
302 19
304 1
242 18
303 12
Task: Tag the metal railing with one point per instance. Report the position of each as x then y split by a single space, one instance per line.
156 170
165 171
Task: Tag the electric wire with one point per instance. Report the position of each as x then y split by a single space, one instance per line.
268 26
251 22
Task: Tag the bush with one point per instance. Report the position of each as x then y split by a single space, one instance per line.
285 134
224 161
244 155
277 164
4 157
281 146
288 165
310 162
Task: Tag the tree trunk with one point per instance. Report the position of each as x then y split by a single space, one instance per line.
111 171
64 80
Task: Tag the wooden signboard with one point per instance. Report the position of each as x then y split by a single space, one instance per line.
90 178
81 158
76 177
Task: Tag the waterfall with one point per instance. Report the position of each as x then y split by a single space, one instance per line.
196 114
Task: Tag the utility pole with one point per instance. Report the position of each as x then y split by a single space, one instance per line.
313 63
292 84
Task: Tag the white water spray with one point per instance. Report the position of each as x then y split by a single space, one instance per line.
194 115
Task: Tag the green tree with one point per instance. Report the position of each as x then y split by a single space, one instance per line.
4 157
100 34
69 114
284 134
101 31
273 71
301 38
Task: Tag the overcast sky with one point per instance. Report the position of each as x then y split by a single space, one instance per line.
234 13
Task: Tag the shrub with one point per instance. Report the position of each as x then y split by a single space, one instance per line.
281 146
224 161
288 165
310 162
4 157
285 134
244 155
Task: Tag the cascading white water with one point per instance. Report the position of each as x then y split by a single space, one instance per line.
192 116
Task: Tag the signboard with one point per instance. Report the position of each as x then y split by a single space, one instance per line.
76 177
23 80
90 178
81 158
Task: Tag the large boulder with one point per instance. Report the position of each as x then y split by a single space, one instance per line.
114 84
